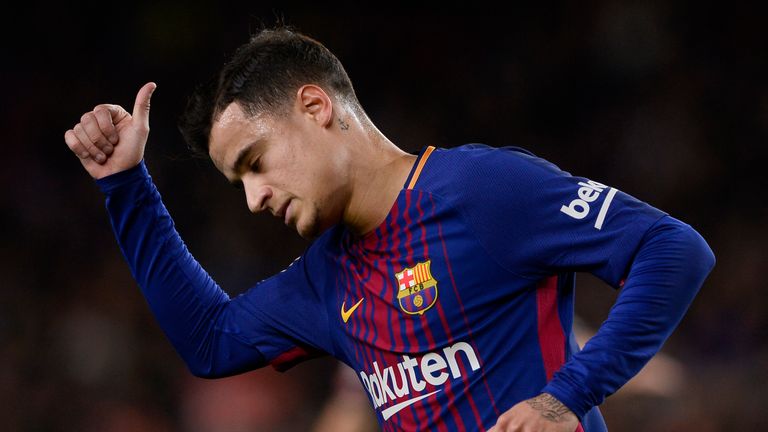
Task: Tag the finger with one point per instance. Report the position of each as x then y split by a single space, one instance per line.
74 144
93 151
92 128
141 106
105 124
116 112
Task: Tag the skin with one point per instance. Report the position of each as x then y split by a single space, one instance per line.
323 157
541 413
331 165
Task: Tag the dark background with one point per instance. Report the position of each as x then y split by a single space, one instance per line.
666 101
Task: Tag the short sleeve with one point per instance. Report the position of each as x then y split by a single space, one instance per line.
537 219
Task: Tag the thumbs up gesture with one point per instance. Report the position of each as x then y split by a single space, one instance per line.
109 139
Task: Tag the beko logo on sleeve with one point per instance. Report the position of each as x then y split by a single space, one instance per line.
588 193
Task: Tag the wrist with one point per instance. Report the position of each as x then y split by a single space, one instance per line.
551 408
114 181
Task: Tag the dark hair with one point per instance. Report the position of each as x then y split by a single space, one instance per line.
263 75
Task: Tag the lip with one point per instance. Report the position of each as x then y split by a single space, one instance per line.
281 211
284 211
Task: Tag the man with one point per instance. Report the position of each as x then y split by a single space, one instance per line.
445 279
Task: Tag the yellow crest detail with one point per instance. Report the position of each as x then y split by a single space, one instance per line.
416 288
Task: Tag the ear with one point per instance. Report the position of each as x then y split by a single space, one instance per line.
316 103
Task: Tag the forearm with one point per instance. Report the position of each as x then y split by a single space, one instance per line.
669 268
192 310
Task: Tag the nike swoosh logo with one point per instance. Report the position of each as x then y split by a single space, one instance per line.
348 313
389 412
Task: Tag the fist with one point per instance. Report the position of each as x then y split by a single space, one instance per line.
109 139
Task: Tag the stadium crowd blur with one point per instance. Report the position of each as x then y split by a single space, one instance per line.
667 102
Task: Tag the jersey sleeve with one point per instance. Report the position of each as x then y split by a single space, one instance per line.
537 219
215 335
291 309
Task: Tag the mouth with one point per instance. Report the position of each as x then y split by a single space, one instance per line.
283 211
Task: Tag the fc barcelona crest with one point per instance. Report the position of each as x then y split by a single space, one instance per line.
417 289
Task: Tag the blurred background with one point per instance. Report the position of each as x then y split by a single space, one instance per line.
666 101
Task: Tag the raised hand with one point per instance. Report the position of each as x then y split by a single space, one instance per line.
109 139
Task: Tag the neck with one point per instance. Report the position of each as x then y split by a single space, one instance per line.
377 178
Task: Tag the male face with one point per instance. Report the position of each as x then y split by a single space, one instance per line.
285 165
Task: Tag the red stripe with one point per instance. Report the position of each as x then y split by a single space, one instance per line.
432 401
417 417
403 418
410 320
466 323
376 285
368 309
290 358
342 285
551 334
407 418
443 320
357 323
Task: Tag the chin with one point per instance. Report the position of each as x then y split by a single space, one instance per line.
307 233
311 230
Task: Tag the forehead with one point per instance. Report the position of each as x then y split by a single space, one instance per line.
233 129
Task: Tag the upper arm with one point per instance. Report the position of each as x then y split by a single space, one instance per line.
288 313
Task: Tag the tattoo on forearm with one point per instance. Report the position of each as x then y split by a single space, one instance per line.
549 407
342 124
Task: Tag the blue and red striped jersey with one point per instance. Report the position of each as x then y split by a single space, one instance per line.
455 308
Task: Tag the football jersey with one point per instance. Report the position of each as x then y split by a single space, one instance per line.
453 309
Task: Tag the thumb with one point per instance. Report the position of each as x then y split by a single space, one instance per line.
141 106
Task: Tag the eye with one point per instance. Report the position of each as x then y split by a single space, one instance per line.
255 165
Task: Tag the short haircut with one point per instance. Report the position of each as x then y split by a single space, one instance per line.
263 75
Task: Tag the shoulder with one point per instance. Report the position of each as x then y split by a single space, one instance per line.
478 166
475 155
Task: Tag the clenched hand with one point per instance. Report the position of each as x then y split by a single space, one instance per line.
109 139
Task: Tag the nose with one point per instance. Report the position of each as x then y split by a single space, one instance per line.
257 196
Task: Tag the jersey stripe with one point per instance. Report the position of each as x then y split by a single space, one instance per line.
391 231
371 257
426 330
410 327
406 331
551 333
355 321
449 393
466 323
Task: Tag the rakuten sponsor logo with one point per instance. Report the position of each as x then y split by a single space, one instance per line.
414 374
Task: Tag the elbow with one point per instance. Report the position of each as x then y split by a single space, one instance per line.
679 244
710 258
209 372
201 372
225 365
212 373
700 253
199 368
